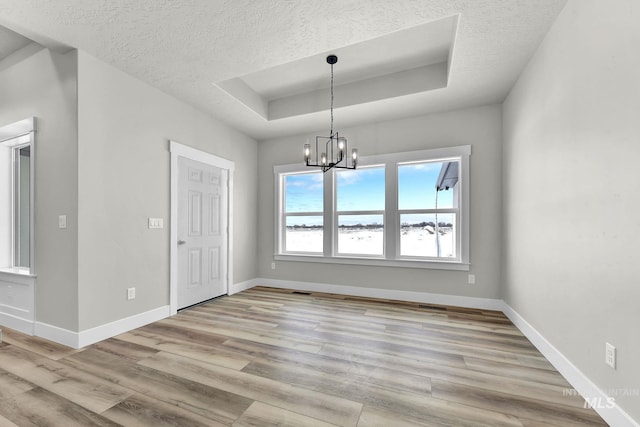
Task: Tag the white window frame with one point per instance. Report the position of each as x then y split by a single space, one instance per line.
337 213
14 137
453 210
391 214
281 212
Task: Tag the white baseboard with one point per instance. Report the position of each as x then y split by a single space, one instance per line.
19 324
615 416
56 334
423 297
102 332
242 286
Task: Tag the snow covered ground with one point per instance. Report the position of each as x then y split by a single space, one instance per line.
414 241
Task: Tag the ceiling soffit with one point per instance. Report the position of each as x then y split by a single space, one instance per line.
405 62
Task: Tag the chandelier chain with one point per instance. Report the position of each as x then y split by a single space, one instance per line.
331 133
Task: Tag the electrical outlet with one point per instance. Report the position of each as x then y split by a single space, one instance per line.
472 279
273 265
610 356
131 293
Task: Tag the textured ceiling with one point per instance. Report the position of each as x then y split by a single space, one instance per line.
186 47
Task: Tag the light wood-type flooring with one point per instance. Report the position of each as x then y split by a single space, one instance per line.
268 357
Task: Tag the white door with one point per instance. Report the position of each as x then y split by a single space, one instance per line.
202 232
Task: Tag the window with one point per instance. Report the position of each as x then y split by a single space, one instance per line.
428 208
16 192
403 209
303 212
360 211
22 205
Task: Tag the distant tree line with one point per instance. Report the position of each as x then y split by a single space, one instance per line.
371 226
426 224
361 226
305 227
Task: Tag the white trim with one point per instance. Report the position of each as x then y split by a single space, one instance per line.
380 262
16 275
423 297
102 332
201 156
19 324
242 286
419 155
230 226
18 314
464 235
391 213
56 334
24 131
173 234
179 150
615 416
108 330
17 129
32 201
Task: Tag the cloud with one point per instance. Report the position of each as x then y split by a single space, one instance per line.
308 181
351 177
428 166
317 181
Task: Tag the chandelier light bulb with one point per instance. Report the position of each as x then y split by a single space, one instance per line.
307 153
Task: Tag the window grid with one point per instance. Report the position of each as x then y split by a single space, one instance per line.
391 216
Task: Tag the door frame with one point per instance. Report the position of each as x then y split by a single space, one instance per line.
180 150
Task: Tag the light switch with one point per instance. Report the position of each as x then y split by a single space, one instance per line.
62 221
156 223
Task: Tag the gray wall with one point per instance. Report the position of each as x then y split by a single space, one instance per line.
124 171
571 203
42 83
481 127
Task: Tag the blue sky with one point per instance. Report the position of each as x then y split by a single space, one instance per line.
363 189
304 192
417 187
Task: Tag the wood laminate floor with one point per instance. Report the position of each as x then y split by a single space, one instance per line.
268 357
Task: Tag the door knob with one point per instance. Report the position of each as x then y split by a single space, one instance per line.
181 242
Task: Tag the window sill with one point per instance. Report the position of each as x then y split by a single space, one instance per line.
404 263
14 271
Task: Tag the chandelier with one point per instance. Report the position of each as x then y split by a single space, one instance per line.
335 146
